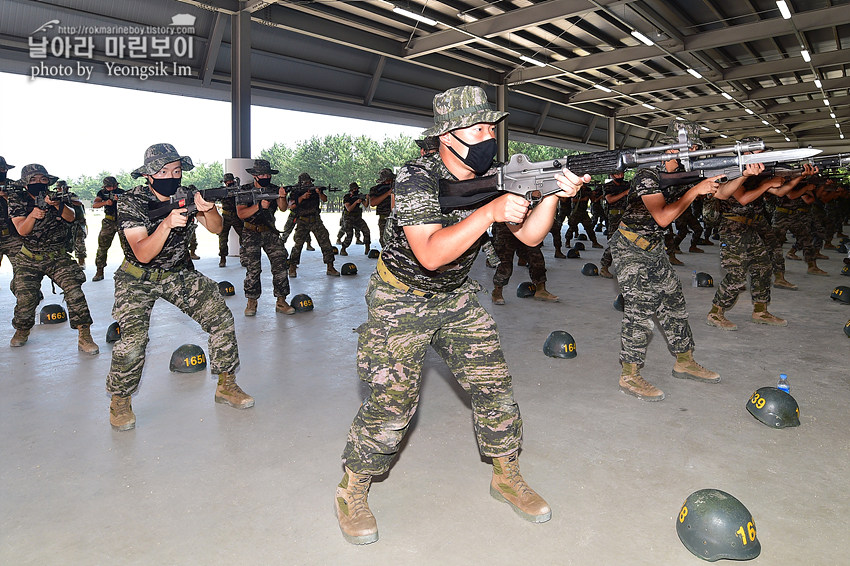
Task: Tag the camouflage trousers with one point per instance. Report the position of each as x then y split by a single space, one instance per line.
799 223
191 292
104 240
229 220
742 252
390 353
611 226
79 231
580 217
382 229
684 223
289 226
651 289
558 225
60 268
820 227
10 246
250 257
353 225
303 228
506 245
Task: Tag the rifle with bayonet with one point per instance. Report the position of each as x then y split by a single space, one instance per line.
184 197
535 180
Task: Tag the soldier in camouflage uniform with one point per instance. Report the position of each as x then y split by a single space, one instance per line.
793 213
353 209
307 198
597 209
77 244
615 192
650 286
743 251
380 196
259 233
106 198
561 213
10 241
157 265
292 219
579 216
421 295
230 219
506 245
44 251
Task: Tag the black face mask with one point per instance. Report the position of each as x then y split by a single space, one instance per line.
480 156
166 187
2 176
264 182
37 188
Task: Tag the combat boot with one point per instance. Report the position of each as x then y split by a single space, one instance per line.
819 255
251 308
781 283
509 486
98 276
687 368
85 343
20 338
496 295
761 316
631 383
121 415
792 254
228 392
194 256
597 245
331 270
366 250
222 262
310 247
814 269
559 254
283 306
521 262
674 260
293 270
705 242
342 251
541 294
605 273
717 318
695 250
829 245
356 520
82 262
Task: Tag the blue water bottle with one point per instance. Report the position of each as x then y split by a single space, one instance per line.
783 384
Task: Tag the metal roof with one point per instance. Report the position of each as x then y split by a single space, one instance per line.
735 66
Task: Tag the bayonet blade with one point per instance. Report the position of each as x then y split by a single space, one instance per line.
781 156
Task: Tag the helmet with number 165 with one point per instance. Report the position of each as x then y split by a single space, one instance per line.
188 358
714 525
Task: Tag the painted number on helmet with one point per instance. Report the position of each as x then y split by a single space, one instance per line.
757 400
55 316
751 532
838 291
195 360
229 289
683 513
571 347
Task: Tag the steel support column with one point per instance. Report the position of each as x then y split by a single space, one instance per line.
502 127
240 86
612 132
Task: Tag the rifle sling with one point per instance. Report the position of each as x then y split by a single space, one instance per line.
471 193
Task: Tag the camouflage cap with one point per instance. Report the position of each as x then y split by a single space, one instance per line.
461 107
61 184
262 167
430 143
157 156
33 169
4 165
228 177
353 186
691 129
305 178
109 182
386 174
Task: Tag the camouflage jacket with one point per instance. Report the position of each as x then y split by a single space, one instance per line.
385 207
310 205
133 213
263 216
637 217
357 211
49 234
751 210
105 195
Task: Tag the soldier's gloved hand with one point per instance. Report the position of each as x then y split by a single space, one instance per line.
176 219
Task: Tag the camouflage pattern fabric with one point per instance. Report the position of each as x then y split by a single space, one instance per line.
357 224
104 241
252 243
742 253
10 241
133 213
636 215
506 245
798 221
188 290
391 349
819 223
687 222
650 289
49 234
383 210
288 226
579 215
306 225
110 194
561 213
191 238
64 271
229 219
615 214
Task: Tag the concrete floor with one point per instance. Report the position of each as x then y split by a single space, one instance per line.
201 483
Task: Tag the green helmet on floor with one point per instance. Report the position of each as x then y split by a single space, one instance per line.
113 333
226 288
525 289
348 269
560 344
841 294
774 408
714 525
590 269
188 358
52 314
620 303
302 303
704 280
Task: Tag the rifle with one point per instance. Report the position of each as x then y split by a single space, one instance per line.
184 197
55 196
535 180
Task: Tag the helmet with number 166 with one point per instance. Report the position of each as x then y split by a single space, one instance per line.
714 525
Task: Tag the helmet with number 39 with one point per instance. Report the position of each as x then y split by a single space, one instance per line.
714 525
775 408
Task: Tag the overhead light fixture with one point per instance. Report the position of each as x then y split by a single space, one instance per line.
414 16
723 136
748 111
650 106
726 95
642 38
777 130
603 88
832 115
826 102
818 84
695 73
783 9
837 125
705 129
841 136
765 122
532 61
805 55
787 139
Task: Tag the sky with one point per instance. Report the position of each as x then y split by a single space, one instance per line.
76 129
